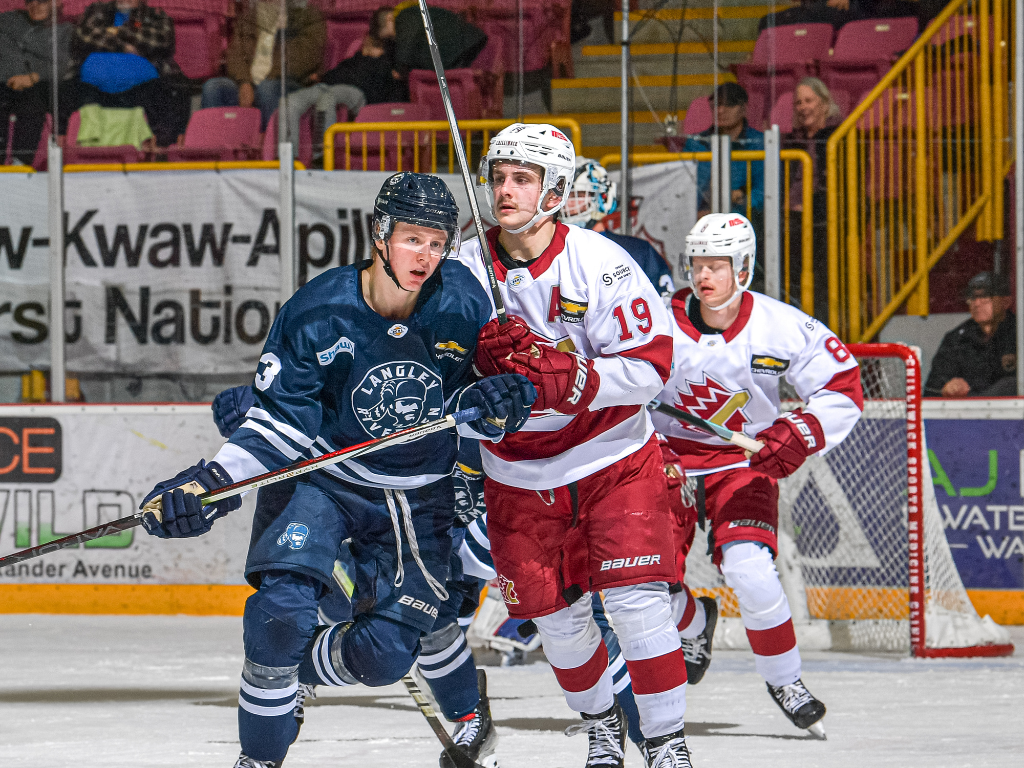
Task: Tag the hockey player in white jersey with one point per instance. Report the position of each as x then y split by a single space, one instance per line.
578 503
732 348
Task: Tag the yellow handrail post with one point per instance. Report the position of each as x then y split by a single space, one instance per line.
807 265
985 74
832 200
853 254
999 93
917 304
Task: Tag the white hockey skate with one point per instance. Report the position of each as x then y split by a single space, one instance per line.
244 761
607 733
800 706
667 751
476 737
305 691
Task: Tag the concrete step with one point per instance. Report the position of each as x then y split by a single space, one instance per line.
603 94
734 23
689 64
603 128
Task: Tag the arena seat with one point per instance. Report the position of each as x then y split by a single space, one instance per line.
306 140
345 32
220 133
74 154
200 39
462 86
864 52
390 112
699 116
784 54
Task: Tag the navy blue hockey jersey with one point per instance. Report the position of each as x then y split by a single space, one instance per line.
649 260
334 373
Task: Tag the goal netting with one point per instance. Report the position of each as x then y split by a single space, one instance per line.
863 555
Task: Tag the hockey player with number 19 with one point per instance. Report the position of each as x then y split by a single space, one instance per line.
732 348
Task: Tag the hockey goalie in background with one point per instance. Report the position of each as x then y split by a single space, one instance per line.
731 349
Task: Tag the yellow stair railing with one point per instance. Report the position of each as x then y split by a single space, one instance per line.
413 146
920 159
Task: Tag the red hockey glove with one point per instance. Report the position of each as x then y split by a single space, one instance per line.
787 444
496 342
565 381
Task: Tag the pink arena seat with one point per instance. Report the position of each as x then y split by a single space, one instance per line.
466 101
699 116
74 154
220 133
864 51
783 55
392 112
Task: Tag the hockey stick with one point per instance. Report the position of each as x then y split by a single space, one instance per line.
736 438
460 152
276 476
456 755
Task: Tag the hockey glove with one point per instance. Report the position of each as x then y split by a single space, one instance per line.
230 407
182 515
787 444
505 399
497 342
566 381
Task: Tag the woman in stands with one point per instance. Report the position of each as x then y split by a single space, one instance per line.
815 116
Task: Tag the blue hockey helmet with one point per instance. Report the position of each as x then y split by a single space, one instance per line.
416 198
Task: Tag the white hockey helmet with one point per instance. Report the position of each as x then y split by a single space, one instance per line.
727 235
538 144
592 195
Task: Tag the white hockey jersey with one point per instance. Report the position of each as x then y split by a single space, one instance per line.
583 294
732 379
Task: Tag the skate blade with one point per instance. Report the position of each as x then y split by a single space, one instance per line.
817 730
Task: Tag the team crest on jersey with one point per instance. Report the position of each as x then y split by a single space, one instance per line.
508 591
397 330
294 536
773 366
394 396
469 493
713 401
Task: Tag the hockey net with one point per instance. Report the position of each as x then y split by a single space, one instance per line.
863 555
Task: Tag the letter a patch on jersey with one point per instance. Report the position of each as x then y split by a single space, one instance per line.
713 401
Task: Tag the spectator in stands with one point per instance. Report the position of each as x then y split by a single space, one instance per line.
834 12
978 358
815 117
458 41
254 57
732 120
122 54
26 74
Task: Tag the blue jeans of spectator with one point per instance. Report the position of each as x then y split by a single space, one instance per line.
223 92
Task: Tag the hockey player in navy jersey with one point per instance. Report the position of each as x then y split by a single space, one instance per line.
591 200
330 376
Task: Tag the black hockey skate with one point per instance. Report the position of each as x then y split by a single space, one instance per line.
305 691
607 733
800 706
667 751
244 761
697 651
476 738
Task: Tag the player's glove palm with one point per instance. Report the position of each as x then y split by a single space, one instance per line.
787 444
230 407
505 399
566 381
180 513
496 342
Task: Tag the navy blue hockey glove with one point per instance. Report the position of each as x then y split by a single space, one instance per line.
505 399
181 514
230 407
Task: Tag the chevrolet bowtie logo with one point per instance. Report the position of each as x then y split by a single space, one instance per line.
441 346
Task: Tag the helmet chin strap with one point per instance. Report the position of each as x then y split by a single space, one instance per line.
541 213
735 295
386 261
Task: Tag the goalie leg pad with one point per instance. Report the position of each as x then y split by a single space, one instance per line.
748 568
578 656
448 667
642 617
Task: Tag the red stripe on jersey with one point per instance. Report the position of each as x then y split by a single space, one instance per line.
730 333
539 265
695 455
746 305
524 446
848 383
657 675
657 352
584 677
771 642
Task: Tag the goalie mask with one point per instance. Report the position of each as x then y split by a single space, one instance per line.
592 196
415 198
723 235
542 146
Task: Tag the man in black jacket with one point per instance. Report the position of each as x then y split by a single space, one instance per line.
978 358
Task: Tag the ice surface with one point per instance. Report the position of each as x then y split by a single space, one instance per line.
111 691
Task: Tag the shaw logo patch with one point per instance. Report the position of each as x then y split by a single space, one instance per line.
394 396
450 349
508 591
630 562
714 402
342 345
773 366
294 536
418 605
397 331
571 311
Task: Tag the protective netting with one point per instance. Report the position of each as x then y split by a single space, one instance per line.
845 556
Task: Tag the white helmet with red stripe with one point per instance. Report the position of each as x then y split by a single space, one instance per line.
541 145
727 235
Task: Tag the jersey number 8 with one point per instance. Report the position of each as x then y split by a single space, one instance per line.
838 349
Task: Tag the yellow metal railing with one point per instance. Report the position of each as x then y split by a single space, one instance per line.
920 159
409 146
806 207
